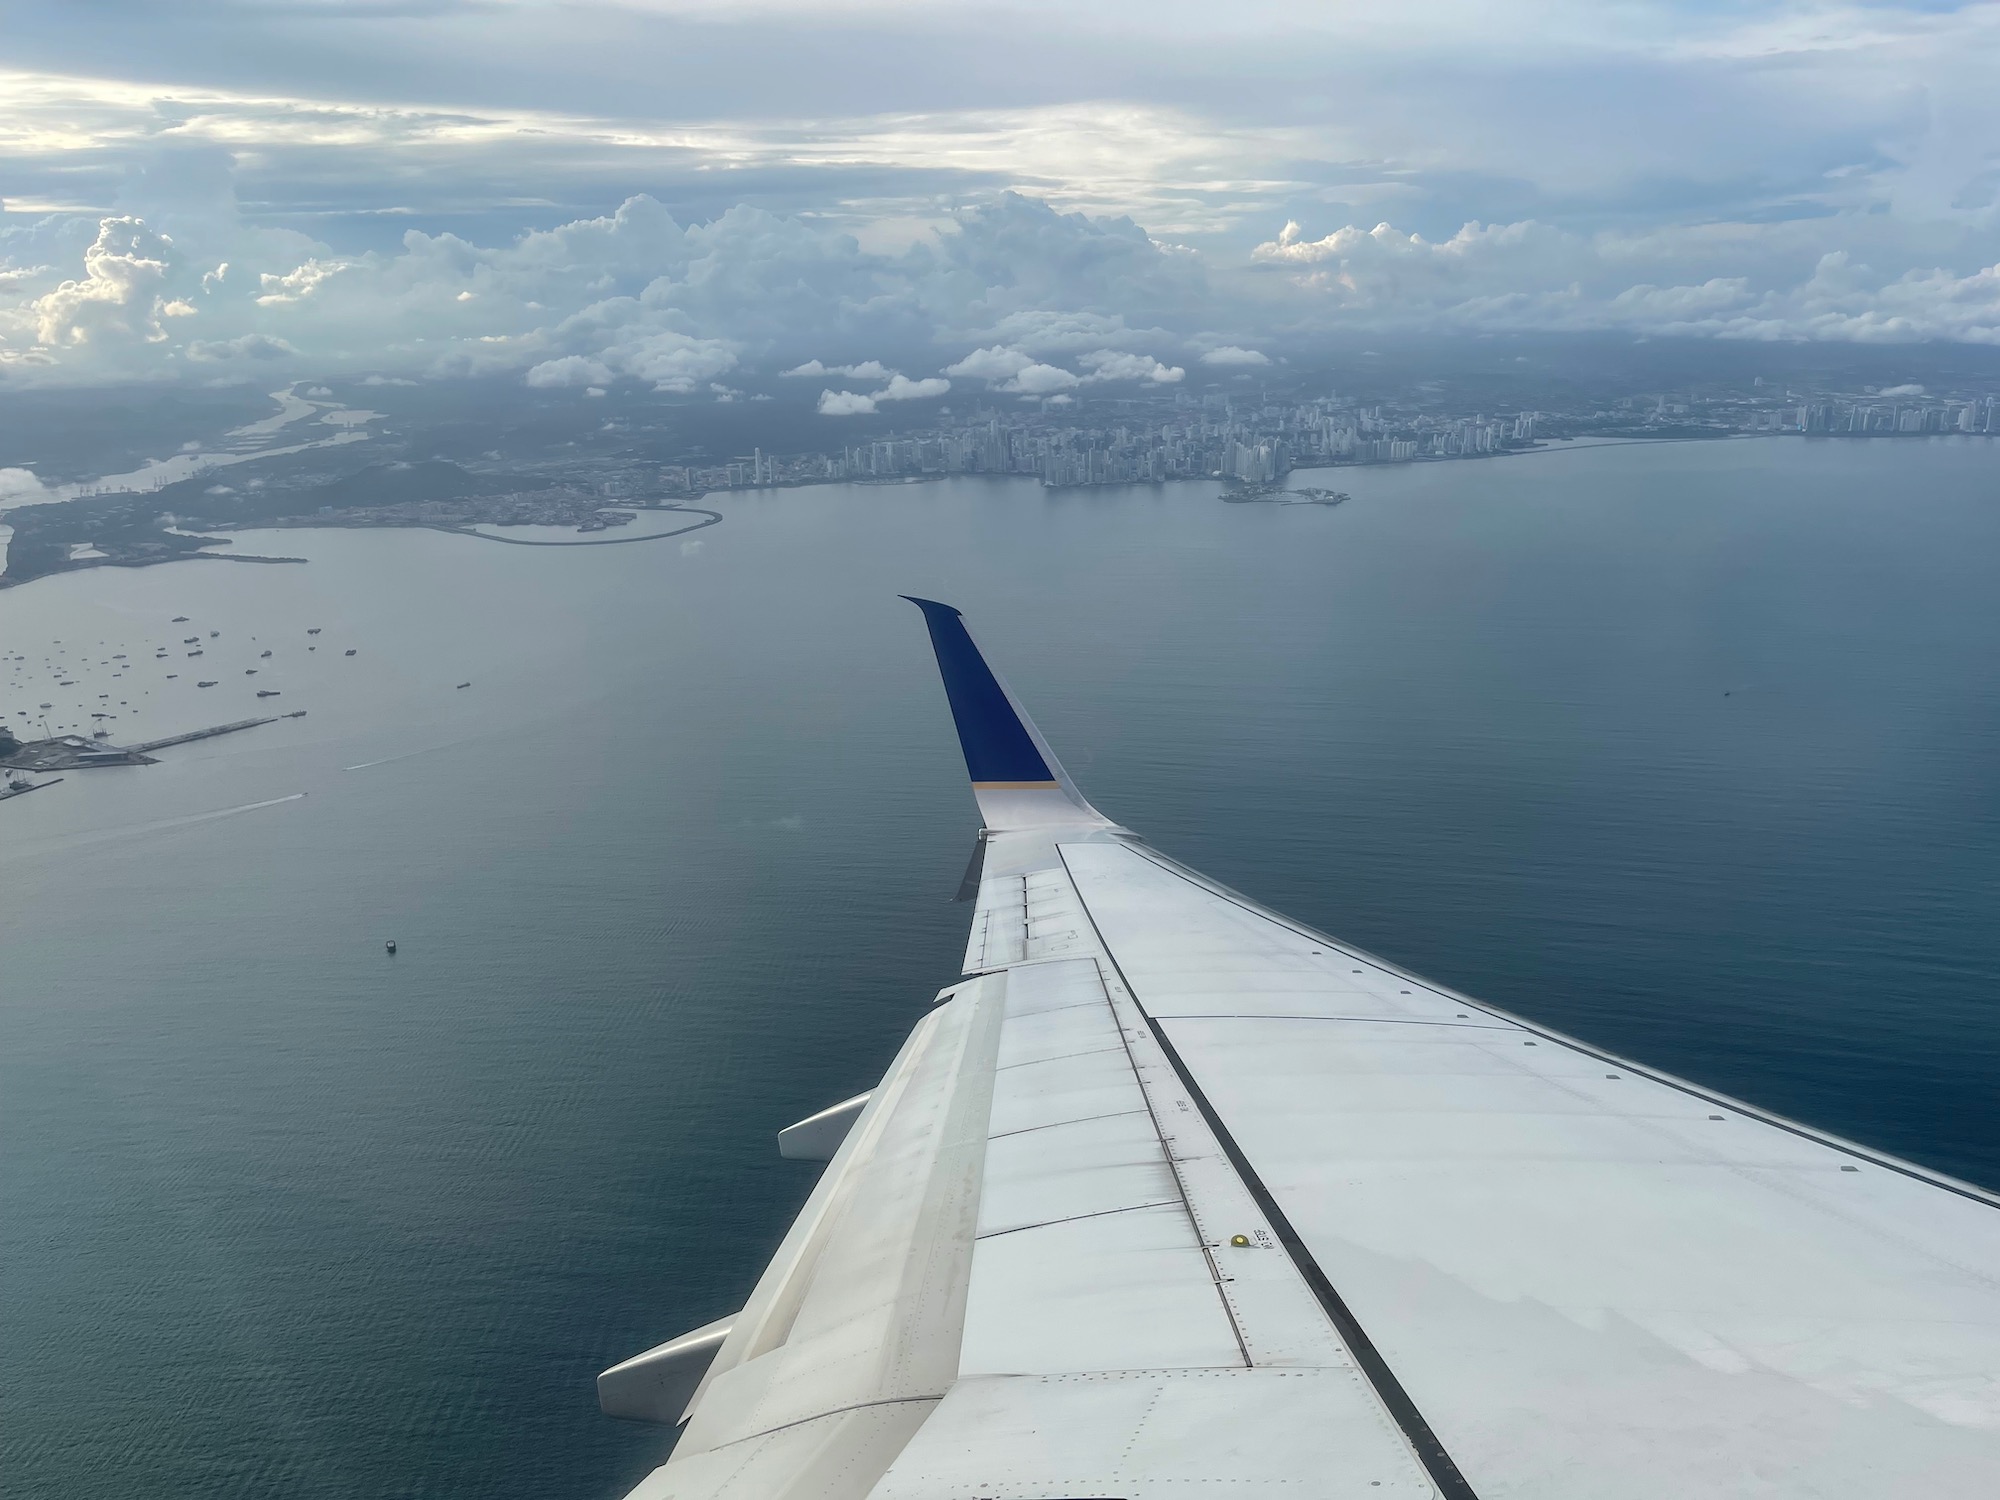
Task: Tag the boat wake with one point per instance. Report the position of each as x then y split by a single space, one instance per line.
134 830
405 755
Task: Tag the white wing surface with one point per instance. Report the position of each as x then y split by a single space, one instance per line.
1172 1196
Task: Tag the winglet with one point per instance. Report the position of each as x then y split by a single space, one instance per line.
1015 776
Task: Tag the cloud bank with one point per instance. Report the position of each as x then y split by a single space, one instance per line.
632 295
849 193
1048 302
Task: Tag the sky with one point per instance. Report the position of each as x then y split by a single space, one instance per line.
1011 195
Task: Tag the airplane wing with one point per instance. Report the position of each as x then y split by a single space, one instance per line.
1172 1196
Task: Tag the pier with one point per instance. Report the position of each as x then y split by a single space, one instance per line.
200 734
72 752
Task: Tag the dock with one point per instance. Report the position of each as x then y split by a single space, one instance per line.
22 791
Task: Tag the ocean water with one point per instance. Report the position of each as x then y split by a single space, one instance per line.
1691 750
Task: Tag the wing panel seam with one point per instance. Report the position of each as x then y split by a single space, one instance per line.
1402 1409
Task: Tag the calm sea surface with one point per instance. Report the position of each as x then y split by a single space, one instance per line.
1691 750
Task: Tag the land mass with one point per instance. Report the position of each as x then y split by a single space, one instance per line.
469 457
173 522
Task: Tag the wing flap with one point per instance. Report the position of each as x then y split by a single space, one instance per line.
1158 1435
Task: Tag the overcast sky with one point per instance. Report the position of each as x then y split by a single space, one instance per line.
672 190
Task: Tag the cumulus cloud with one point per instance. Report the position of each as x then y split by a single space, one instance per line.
845 404
1015 371
21 487
635 293
1530 276
902 388
672 361
997 363
1020 373
1045 301
1109 364
1901 390
868 369
120 296
1041 380
571 369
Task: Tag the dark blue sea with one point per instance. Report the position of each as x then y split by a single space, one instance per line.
1691 750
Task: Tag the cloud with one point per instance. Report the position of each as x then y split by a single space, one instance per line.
1230 354
1041 331
22 487
1014 371
1109 364
845 404
635 292
868 369
1686 166
258 346
674 362
119 297
1901 390
1530 276
1041 380
902 388
1044 300
997 363
570 370
899 388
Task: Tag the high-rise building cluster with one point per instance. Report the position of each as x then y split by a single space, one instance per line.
1250 444
1862 417
1255 442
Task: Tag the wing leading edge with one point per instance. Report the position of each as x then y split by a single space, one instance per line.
1170 1190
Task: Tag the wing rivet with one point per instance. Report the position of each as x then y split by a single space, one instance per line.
1239 1240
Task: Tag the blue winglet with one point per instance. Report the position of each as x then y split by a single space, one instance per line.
1000 751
